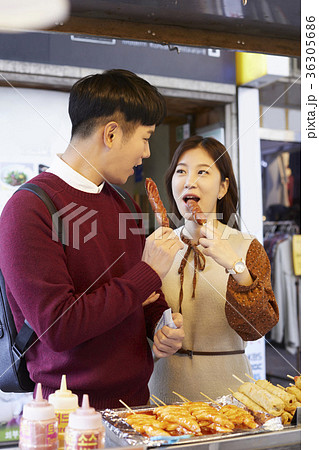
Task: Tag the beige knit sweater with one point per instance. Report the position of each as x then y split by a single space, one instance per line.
208 329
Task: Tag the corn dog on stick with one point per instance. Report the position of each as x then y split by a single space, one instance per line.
297 380
271 403
286 397
295 391
250 404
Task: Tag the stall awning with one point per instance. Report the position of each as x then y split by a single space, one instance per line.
267 26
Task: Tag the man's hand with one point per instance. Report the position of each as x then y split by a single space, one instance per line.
160 250
168 340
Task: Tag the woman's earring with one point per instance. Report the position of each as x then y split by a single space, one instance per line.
219 197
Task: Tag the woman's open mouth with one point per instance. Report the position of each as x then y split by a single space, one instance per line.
190 197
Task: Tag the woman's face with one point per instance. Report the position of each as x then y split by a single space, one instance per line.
197 177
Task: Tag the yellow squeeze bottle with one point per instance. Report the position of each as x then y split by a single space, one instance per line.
64 402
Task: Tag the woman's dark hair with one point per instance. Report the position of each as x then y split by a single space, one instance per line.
228 204
115 93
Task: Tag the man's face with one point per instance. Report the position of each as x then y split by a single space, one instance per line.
129 151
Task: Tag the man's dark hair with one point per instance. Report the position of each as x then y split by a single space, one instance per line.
114 95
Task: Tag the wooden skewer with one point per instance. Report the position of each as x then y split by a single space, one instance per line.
181 397
233 392
291 377
281 387
213 401
248 376
126 406
238 379
159 400
154 401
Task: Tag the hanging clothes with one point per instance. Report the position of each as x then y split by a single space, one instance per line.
275 180
286 288
278 246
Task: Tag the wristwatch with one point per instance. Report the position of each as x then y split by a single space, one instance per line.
238 267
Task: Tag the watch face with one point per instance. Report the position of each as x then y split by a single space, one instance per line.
240 266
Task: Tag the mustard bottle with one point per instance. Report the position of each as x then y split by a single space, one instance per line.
64 402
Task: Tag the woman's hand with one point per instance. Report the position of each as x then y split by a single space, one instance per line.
216 246
222 252
151 299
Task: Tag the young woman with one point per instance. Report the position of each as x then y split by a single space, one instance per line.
220 281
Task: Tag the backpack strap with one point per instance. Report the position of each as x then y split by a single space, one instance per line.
26 333
48 202
23 340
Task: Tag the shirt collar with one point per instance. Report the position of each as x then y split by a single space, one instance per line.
62 170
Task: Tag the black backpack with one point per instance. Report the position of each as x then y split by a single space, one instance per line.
14 375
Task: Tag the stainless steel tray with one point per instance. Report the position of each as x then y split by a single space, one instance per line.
120 433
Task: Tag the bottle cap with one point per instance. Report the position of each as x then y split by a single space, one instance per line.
63 398
85 418
38 408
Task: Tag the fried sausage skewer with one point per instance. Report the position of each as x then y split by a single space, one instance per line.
197 213
156 203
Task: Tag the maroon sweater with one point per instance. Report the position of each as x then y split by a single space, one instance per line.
84 303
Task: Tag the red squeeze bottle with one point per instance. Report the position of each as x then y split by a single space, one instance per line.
39 425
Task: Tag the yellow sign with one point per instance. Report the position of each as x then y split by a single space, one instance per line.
296 253
249 67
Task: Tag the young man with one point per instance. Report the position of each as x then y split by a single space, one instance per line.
92 304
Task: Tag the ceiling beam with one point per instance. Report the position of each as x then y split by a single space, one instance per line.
172 34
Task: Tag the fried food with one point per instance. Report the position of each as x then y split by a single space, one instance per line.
239 416
286 418
298 382
286 397
144 423
219 428
179 415
156 203
250 404
294 391
271 403
196 211
204 412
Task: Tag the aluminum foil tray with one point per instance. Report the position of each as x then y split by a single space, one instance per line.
121 433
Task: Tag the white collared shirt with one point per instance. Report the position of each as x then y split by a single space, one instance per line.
62 170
